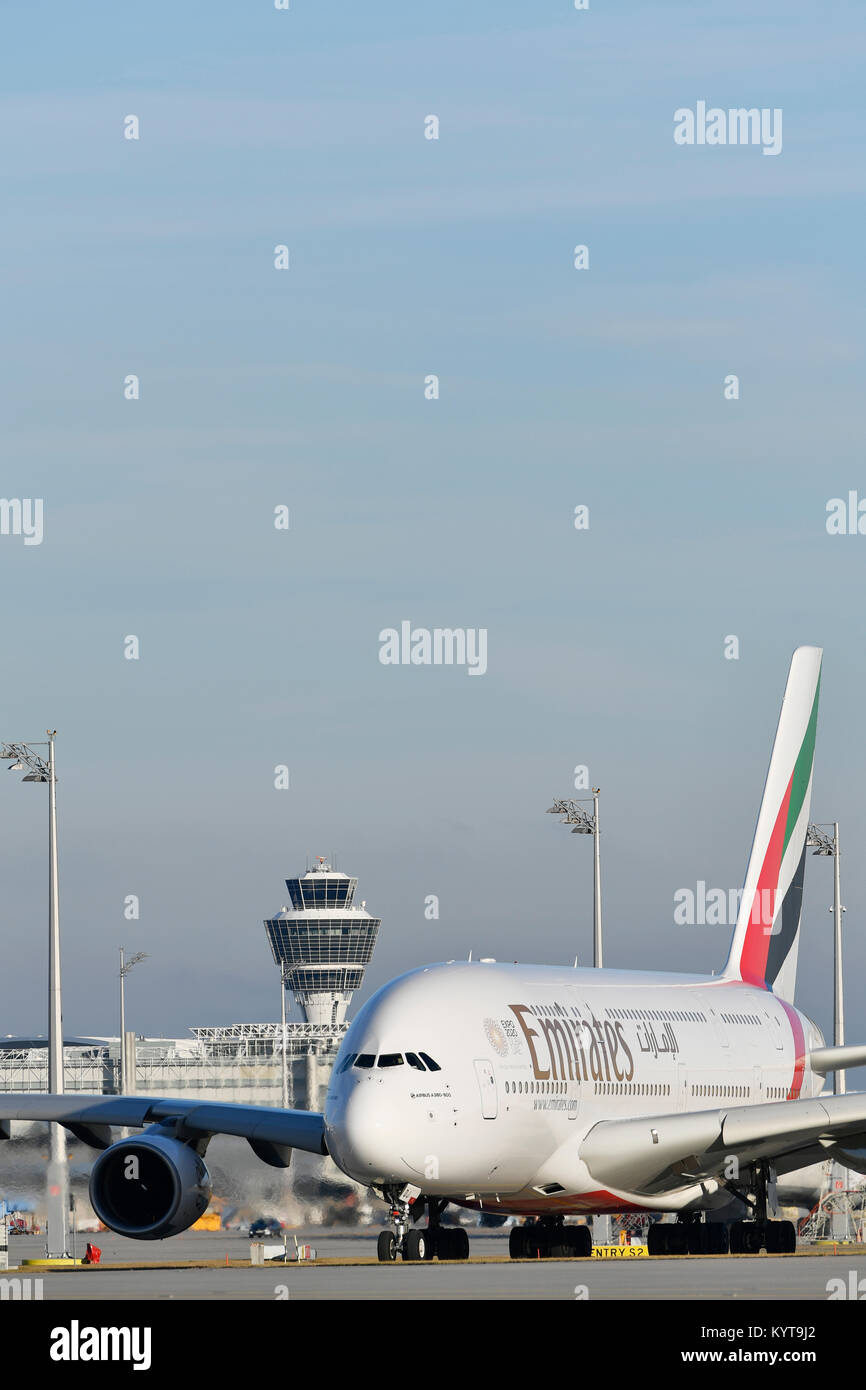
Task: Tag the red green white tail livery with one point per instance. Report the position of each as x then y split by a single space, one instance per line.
766 938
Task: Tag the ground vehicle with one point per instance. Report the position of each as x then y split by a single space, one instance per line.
265 1226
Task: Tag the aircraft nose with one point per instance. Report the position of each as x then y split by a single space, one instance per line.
362 1133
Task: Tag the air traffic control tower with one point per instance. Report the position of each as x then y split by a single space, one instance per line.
323 942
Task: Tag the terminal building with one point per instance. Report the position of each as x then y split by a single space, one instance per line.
322 943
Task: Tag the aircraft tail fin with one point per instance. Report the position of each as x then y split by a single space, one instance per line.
766 938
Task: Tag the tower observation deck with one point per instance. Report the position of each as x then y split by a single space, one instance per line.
323 942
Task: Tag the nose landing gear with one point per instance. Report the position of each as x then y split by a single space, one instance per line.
394 1242
415 1243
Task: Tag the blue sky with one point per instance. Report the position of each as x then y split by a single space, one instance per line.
305 387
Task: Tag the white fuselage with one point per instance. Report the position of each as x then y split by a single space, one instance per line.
530 1058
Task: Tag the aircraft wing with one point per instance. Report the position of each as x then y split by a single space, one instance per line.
270 1132
660 1153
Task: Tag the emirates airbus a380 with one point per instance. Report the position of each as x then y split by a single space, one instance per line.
543 1091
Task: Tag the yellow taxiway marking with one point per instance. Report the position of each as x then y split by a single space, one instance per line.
57 1262
334 1262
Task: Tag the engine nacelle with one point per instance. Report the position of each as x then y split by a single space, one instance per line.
149 1187
850 1157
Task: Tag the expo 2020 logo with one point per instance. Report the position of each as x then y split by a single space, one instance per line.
496 1037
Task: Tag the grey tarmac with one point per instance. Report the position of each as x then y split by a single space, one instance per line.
487 1276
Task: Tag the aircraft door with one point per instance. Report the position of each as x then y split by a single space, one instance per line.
721 1031
487 1087
774 1028
682 1087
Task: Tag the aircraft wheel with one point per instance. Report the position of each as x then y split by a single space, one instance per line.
656 1242
697 1235
461 1245
415 1245
578 1241
581 1241
678 1239
517 1242
387 1246
536 1245
717 1233
781 1238
747 1237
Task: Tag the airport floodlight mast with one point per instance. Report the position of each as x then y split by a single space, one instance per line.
573 814
823 843
22 758
125 967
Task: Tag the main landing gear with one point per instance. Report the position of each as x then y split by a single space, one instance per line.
691 1235
549 1238
416 1243
776 1237
761 1233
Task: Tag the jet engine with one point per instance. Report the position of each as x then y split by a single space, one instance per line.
850 1152
149 1187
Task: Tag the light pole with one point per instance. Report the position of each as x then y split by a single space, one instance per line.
573 814
21 757
284 1075
825 844
125 967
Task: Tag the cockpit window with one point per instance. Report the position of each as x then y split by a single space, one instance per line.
415 1061
348 1062
432 1066
365 1059
391 1059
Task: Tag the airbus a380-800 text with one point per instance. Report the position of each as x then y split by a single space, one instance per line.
546 1092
